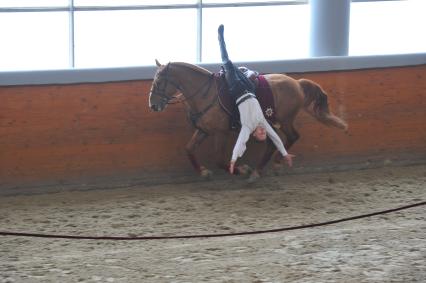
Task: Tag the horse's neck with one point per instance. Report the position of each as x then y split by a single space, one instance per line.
189 75
195 83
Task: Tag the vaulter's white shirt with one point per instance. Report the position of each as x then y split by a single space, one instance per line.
251 116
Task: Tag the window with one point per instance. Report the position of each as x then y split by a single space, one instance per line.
387 27
33 3
118 3
59 34
257 33
134 37
36 40
110 33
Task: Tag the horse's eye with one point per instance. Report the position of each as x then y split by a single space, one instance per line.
155 85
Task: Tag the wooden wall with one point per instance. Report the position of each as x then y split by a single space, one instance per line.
83 133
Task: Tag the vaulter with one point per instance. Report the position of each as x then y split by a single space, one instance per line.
242 91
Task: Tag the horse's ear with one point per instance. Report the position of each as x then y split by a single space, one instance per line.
157 63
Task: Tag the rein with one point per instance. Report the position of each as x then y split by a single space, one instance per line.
162 92
197 92
194 117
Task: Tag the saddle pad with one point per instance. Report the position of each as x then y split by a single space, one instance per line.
266 99
225 99
263 94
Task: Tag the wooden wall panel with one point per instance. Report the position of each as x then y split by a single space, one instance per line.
81 132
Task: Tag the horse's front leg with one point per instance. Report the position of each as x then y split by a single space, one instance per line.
221 150
197 138
224 156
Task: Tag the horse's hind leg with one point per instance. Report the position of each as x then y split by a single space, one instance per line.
291 137
270 149
197 138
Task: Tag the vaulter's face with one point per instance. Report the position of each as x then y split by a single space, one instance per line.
260 133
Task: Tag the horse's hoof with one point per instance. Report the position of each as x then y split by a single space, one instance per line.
276 168
244 170
254 176
277 165
206 173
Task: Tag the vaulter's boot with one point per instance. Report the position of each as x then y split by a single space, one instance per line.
222 45
231 76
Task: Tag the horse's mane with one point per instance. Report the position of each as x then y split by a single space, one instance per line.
193 67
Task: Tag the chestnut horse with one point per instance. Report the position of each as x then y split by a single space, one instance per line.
200 95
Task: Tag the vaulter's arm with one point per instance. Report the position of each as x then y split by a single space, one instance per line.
279 144
239 147
240 144
275 139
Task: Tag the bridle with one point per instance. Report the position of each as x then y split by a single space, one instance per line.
202 90
161 92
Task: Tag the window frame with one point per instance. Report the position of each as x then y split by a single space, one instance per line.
71 9
199 5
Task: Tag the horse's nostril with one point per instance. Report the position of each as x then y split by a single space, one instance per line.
154 107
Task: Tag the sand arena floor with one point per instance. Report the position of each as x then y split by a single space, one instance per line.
386 248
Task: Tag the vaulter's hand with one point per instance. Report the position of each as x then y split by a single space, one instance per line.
289 159
231 167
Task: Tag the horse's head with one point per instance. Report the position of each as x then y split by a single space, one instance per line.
163 89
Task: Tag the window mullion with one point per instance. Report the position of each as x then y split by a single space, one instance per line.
71 34
199 31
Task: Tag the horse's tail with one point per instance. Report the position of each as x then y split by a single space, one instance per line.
316 104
